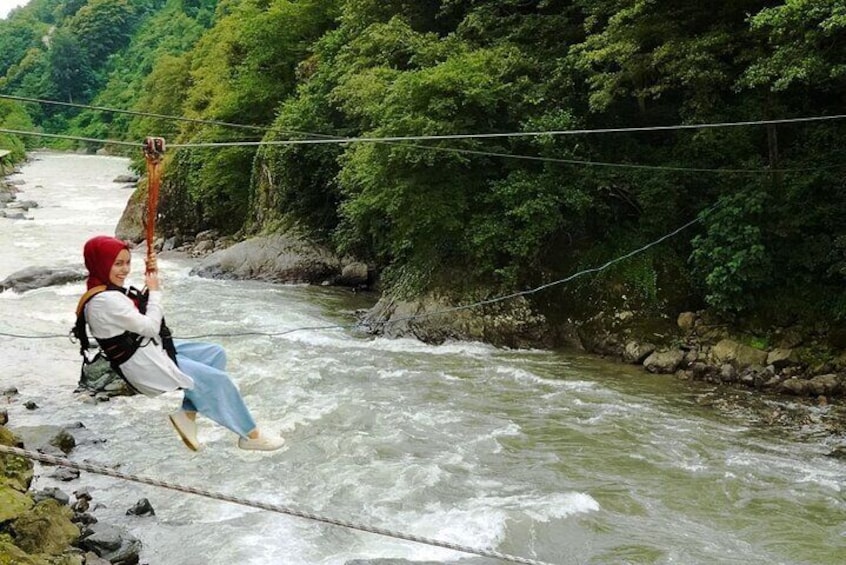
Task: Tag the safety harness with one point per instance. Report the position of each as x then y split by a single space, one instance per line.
118 349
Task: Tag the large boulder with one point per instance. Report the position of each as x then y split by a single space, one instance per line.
664 362
100 380
512 323
112 544
31 278
131 227
739 355
282 258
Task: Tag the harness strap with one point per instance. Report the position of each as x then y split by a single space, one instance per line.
92 292
120 348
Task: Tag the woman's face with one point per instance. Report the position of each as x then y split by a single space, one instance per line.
120 268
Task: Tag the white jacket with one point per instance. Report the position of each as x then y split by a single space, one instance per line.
149 370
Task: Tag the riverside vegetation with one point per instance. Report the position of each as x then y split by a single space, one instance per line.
753 293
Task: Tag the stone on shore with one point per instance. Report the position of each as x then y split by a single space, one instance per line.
32 278
664 362
111 543
739 355
281 258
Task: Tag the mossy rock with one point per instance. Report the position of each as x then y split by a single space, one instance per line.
10 554
15 471
45 528
13 504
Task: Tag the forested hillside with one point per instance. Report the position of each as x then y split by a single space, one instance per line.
481 216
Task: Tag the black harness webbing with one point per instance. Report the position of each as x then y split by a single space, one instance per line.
120 348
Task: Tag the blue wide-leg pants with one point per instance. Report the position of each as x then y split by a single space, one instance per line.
214 395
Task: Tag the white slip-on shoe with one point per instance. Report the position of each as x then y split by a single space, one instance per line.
261 443
186 428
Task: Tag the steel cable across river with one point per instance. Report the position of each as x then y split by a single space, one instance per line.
550 455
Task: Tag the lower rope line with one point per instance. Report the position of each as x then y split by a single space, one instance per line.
100 470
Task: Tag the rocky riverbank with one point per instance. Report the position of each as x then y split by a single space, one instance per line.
47 526
794 379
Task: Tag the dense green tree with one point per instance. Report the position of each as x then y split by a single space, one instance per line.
70 71
17 35
104 27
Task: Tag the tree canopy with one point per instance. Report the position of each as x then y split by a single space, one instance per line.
485 215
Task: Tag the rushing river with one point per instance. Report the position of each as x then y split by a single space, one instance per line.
553 456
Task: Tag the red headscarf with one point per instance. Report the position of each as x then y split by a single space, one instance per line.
100 254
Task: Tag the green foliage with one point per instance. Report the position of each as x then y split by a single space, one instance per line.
71 75
104 27
489 214
732 257
238 72
13 116
806 42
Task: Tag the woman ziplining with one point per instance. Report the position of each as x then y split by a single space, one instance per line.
129 327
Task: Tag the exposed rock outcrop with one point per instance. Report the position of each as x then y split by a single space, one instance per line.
282 258
435 320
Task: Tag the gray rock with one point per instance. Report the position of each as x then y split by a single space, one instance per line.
31 278
506 324
30 405
65 474
13 216
126 179
279 258
728 373
781 358
664 362
686 321
64 441
204 246
22 205
141 508
795 386
636 352
52 451
112 544
739 355
824 384
92 558
51 492
98 378
354 274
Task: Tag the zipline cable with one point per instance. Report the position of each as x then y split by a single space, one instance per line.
135 113
70 137
100 470
326 138
550 133
434 313
342 140
554 133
